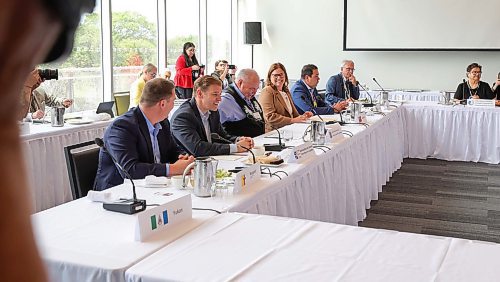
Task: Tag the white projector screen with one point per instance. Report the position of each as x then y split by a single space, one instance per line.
417 25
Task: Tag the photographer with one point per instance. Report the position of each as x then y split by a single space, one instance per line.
224 72
37 98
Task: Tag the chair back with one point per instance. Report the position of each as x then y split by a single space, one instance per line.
122 102
82 166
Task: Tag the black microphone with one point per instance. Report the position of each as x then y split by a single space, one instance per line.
371 100
378 84
129 206
216 136
275 147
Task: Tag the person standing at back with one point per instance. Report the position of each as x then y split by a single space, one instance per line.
187 71
148 72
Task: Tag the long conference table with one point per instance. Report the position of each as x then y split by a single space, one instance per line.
80 241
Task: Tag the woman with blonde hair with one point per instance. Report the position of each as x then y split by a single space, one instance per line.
276 100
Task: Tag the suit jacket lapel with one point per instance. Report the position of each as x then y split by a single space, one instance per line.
143 128
199 123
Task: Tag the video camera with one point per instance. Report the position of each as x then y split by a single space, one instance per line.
48 74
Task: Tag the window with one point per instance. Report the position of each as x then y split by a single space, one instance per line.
218 32
182 26
134 40
80 75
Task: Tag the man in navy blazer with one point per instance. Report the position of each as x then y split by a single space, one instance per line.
342 86
140 140
305 95
194 123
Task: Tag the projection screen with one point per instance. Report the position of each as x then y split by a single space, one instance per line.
419 25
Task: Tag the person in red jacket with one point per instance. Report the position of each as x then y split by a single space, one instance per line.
187 70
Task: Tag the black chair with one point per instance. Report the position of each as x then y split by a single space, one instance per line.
82 167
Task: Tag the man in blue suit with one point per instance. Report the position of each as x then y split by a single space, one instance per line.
342 86
140 140
305 95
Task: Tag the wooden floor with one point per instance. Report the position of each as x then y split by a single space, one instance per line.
454 199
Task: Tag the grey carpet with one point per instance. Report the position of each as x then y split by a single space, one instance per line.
454 199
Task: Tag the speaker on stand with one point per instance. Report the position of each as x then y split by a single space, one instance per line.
253 34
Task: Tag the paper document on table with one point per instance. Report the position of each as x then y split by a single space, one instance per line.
228 157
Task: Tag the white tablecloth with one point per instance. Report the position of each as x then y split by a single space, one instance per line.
453 133
262 248
336 186
405 95
80 241
45 162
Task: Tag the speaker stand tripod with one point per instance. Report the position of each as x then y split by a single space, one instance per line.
252 56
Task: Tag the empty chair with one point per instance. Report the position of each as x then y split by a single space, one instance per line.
122 102
82 167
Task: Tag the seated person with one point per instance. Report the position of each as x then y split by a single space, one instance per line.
276 100
167 74
196 119
148 72
40 99
141 141
33 80
240 113
473 87
342 86
305 95
223 73
496 90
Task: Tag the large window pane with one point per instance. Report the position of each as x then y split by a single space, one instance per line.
218 32
182 26
134 40
80 76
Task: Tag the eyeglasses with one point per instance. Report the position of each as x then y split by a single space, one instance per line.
350 69
153 74
476 72
276 75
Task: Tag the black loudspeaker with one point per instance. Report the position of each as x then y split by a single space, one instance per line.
253 32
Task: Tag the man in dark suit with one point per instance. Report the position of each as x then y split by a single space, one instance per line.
342 86
195 121
141 141
305 95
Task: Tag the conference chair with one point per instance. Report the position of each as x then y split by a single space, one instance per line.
82 167
122 102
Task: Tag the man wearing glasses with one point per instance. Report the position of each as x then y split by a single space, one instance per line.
342 86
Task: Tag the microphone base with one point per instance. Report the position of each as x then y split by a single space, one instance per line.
368 105
126 206
274 147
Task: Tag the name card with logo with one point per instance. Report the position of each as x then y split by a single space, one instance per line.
481 103
163 217
334 134
301 153
246 177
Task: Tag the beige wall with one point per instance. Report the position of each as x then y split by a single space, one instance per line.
297 32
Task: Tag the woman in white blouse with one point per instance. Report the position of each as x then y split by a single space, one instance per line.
276 100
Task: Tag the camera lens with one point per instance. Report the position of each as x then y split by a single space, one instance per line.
48 74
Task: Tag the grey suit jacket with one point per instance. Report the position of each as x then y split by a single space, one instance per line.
189 133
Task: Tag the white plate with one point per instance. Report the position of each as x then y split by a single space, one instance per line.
79 121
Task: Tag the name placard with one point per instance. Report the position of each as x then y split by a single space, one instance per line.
246 177
163 217
301 153
481 103
334 134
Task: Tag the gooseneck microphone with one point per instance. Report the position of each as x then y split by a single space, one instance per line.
371 99
275 147
129 206
216 136
378 84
